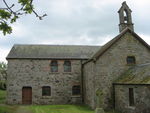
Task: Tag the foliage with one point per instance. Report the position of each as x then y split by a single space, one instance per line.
3 85
3 66
3 73
2 96
8 15
7 109
99 98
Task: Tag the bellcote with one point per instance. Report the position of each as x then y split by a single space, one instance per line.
125 17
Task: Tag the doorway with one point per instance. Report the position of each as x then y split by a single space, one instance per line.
26 95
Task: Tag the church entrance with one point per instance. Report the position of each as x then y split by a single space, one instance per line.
26 95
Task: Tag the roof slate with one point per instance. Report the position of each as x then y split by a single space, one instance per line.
135 75
52 52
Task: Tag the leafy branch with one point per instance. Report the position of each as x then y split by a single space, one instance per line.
8 15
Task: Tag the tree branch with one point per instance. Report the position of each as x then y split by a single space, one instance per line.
8 15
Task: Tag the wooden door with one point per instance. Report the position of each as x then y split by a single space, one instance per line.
26 95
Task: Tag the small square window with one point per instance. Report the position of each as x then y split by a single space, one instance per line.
76 90
46 91
131 60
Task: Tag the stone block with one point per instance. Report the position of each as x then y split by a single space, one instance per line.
99 110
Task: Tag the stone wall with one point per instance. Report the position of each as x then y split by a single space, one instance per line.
37 73
113 63
141 98
88 75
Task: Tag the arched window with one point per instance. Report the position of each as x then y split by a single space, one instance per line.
131 60
76 90
46 91
54 66
67 66
125 16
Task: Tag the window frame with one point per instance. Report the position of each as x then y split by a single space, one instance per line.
76 91
45 88
67 67
131 60
53 65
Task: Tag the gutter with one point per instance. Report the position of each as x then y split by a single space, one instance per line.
28 58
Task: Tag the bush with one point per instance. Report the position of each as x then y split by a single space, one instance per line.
3 85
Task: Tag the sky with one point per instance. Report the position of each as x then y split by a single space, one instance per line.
75 22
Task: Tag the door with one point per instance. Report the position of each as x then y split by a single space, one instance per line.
26 95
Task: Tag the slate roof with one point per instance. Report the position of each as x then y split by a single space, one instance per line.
52 52
135 75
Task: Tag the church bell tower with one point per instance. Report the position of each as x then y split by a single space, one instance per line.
125 17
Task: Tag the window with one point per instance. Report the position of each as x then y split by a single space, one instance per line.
54 66
76 90
130 60
67 66
46 91
131 97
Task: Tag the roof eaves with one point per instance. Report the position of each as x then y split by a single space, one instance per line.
7 58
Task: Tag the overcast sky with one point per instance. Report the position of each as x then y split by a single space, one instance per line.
75 22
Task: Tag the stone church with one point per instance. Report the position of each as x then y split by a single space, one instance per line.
115 75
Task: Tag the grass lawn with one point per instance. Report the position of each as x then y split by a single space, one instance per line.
42 108
45 109
2 96
61 109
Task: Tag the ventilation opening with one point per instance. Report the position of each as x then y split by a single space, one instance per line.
125 16
131 97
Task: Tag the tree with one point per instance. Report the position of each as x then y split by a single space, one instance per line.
8 15
3 75
3 69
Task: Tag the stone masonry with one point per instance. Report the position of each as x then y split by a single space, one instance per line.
111 65
36 73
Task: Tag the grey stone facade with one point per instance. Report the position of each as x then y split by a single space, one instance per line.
141 97
89 88
36 73
111 64
103 73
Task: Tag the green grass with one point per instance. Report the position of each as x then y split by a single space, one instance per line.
42 108
7 109
61 109
2 96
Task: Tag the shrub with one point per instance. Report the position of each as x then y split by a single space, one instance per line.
3 85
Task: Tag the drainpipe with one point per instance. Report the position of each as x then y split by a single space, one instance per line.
82 80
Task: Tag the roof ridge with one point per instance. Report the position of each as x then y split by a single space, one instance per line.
55 45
